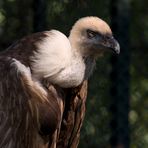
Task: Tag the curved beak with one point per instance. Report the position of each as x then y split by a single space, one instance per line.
113 44
109 43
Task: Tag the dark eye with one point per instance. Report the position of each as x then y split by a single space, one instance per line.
91 34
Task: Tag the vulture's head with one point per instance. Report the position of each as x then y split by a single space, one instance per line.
93 36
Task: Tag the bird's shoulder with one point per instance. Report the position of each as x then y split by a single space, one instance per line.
35 40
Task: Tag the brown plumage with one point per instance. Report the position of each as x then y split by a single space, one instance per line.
24 109
43 84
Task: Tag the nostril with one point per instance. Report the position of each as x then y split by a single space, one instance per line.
108 37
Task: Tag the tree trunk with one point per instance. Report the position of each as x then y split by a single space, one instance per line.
23 15
40 15
120 75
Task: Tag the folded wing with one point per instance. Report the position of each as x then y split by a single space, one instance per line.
26 108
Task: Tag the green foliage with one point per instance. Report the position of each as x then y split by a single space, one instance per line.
139 81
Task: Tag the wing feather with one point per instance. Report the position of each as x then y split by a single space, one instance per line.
25 106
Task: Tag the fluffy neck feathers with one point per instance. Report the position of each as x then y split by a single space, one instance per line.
59 62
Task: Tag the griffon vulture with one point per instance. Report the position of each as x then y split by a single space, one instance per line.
37 71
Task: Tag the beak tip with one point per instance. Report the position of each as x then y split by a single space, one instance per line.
117 49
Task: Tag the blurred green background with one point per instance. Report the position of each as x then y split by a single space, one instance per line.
21 17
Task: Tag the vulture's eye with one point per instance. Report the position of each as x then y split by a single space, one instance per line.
91 34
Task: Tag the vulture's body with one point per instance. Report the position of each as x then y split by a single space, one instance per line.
33 72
